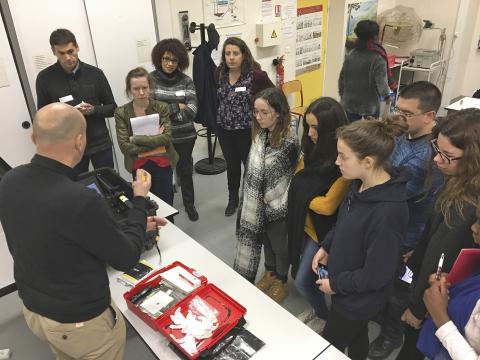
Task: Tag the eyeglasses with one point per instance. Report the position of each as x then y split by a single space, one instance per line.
170 60
444 156
407 114
262 113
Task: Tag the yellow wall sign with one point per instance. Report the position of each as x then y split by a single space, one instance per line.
274 34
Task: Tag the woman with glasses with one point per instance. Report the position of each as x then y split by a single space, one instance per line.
239 78
263 209
171 85
456 149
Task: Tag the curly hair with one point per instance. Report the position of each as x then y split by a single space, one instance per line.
277 100
462 128
248 63
174 46
330 116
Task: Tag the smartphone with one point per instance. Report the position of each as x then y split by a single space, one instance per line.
322 271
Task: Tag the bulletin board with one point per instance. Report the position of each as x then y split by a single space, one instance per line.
312 81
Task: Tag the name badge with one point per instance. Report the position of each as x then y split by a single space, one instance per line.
65 99
180 93
240 88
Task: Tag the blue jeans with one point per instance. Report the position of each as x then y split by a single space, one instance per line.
305 279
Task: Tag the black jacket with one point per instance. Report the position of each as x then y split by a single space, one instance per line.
438 238
90 85
364 247
205 86
61 236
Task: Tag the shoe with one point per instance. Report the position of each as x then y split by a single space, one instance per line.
317 324
307 315
266 281
278 291
191 212
381 347
231 207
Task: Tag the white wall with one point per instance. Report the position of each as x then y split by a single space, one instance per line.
167 14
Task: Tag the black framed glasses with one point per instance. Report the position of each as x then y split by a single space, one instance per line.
170 60
444 156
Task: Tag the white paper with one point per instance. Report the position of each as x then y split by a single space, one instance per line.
145 125
173 276
3 74
289 8
66 98
267 8
224 13
465 103
143 51
42 61
288 28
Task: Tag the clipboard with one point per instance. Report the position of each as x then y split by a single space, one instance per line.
468 261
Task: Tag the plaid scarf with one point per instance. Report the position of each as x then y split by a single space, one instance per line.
264 198
373 46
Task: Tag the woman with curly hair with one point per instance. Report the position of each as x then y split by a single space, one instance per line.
239 78
456 146
172 86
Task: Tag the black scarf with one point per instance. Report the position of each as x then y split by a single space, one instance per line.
306 185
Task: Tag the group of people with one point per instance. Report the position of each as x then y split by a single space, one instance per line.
348 211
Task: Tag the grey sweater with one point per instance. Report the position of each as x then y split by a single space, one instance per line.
363 81
174 89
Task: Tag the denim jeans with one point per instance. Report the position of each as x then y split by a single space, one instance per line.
305 279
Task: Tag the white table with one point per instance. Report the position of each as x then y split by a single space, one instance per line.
284 335
164 209
331 353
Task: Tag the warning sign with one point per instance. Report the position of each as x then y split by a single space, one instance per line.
274 34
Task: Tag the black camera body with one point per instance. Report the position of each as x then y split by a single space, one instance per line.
118 194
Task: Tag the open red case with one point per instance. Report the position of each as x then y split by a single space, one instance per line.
229 311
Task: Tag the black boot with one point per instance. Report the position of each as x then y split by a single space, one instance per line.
382 347
231 207
191 212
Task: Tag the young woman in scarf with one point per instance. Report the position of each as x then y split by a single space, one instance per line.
262 218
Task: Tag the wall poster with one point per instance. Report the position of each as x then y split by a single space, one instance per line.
224 13
309 39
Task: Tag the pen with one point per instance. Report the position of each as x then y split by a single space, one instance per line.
439 267
184 278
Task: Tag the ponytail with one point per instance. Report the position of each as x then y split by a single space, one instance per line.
372 138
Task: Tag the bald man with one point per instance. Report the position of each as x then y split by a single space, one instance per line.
62 235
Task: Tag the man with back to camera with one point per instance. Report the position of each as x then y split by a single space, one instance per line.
84 86
418 103
62 235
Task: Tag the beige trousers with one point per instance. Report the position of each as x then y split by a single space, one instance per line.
102 337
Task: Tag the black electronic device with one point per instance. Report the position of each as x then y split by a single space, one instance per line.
117 192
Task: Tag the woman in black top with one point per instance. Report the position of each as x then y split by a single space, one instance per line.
239 78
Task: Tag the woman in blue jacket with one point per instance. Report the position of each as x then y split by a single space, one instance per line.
361 251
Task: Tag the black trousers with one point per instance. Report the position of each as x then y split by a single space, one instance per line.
185 170
392 326
235 146
409 349
162 184
103 158
344 333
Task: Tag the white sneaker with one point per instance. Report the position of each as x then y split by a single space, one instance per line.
317 324
307 315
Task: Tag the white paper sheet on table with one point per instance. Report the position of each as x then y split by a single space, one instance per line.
465 103
145 125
